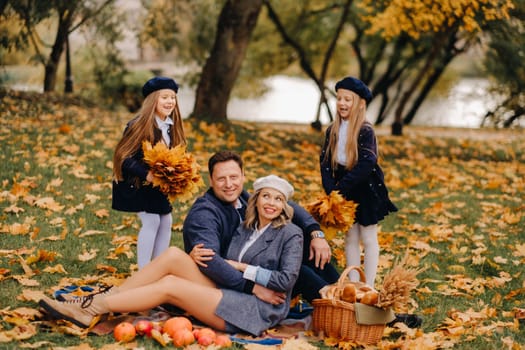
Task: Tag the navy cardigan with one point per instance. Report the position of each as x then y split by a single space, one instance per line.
133 194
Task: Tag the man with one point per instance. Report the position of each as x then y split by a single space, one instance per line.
215 216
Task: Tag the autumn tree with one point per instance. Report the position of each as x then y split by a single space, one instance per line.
399 48
446 29
66 15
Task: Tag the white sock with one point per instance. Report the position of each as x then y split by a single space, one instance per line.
146 237
371 248
163 239
353 250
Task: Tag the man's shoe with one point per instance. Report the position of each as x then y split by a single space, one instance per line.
80 311
410 320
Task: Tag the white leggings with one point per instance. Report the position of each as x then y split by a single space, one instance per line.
154 236
368 236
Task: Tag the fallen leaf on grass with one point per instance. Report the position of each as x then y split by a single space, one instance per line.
21 332
23 280
102 213
30 295
88 255
58 268
91 233
37 345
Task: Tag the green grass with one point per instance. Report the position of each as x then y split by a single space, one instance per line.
457 196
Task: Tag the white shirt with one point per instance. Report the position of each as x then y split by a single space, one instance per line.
341 142
255 234
251 271
164 126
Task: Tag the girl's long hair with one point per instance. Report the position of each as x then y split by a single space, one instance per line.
251 220
142 128
356 120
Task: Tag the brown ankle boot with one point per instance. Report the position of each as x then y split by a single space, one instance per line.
105 290
81 311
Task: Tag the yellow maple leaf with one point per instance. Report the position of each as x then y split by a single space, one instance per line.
102 213
58 268
13 209
88 255
333 211
175 172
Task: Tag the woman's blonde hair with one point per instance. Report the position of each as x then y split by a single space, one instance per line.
252 220
355 121
142 128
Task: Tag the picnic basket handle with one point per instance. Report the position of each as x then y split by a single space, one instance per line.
344 275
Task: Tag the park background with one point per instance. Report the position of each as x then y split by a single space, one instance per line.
460 190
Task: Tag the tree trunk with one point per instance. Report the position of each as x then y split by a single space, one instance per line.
51 67
235 26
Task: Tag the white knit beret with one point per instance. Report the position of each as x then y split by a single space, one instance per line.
275 182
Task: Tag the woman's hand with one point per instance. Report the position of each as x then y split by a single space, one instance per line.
199 254
239 266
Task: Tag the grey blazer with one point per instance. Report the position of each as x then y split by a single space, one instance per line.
277 249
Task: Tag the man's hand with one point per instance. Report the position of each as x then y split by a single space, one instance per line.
268 295
199 254
320 250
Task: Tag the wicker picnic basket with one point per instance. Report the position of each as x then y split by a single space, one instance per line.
336 318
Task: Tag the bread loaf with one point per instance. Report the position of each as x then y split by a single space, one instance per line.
349 293
370 298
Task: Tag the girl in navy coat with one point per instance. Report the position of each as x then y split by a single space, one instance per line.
349 165
158 120
266 249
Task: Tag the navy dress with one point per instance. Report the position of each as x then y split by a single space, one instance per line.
364 183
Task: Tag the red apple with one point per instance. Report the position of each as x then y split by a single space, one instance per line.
144 327
205 340
124 332
183 337
206 332
223 340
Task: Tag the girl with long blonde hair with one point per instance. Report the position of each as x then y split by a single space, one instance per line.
159 120
349 165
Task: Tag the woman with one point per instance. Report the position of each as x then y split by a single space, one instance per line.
349 165
266 249
159 120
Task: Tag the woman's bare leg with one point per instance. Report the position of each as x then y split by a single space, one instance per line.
173 261
198 300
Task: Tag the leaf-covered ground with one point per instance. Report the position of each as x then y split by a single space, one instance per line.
460 193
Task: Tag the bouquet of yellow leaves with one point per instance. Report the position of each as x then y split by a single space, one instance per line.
333 212
174 170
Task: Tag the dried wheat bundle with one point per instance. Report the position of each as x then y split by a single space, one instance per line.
174 170
398 285
333 212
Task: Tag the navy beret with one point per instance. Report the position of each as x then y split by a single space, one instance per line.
159 83
355 85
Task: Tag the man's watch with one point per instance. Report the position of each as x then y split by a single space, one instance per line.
317 234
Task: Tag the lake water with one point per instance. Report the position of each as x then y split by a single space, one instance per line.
294 100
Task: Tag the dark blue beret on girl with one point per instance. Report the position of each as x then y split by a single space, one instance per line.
355 85
159 83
